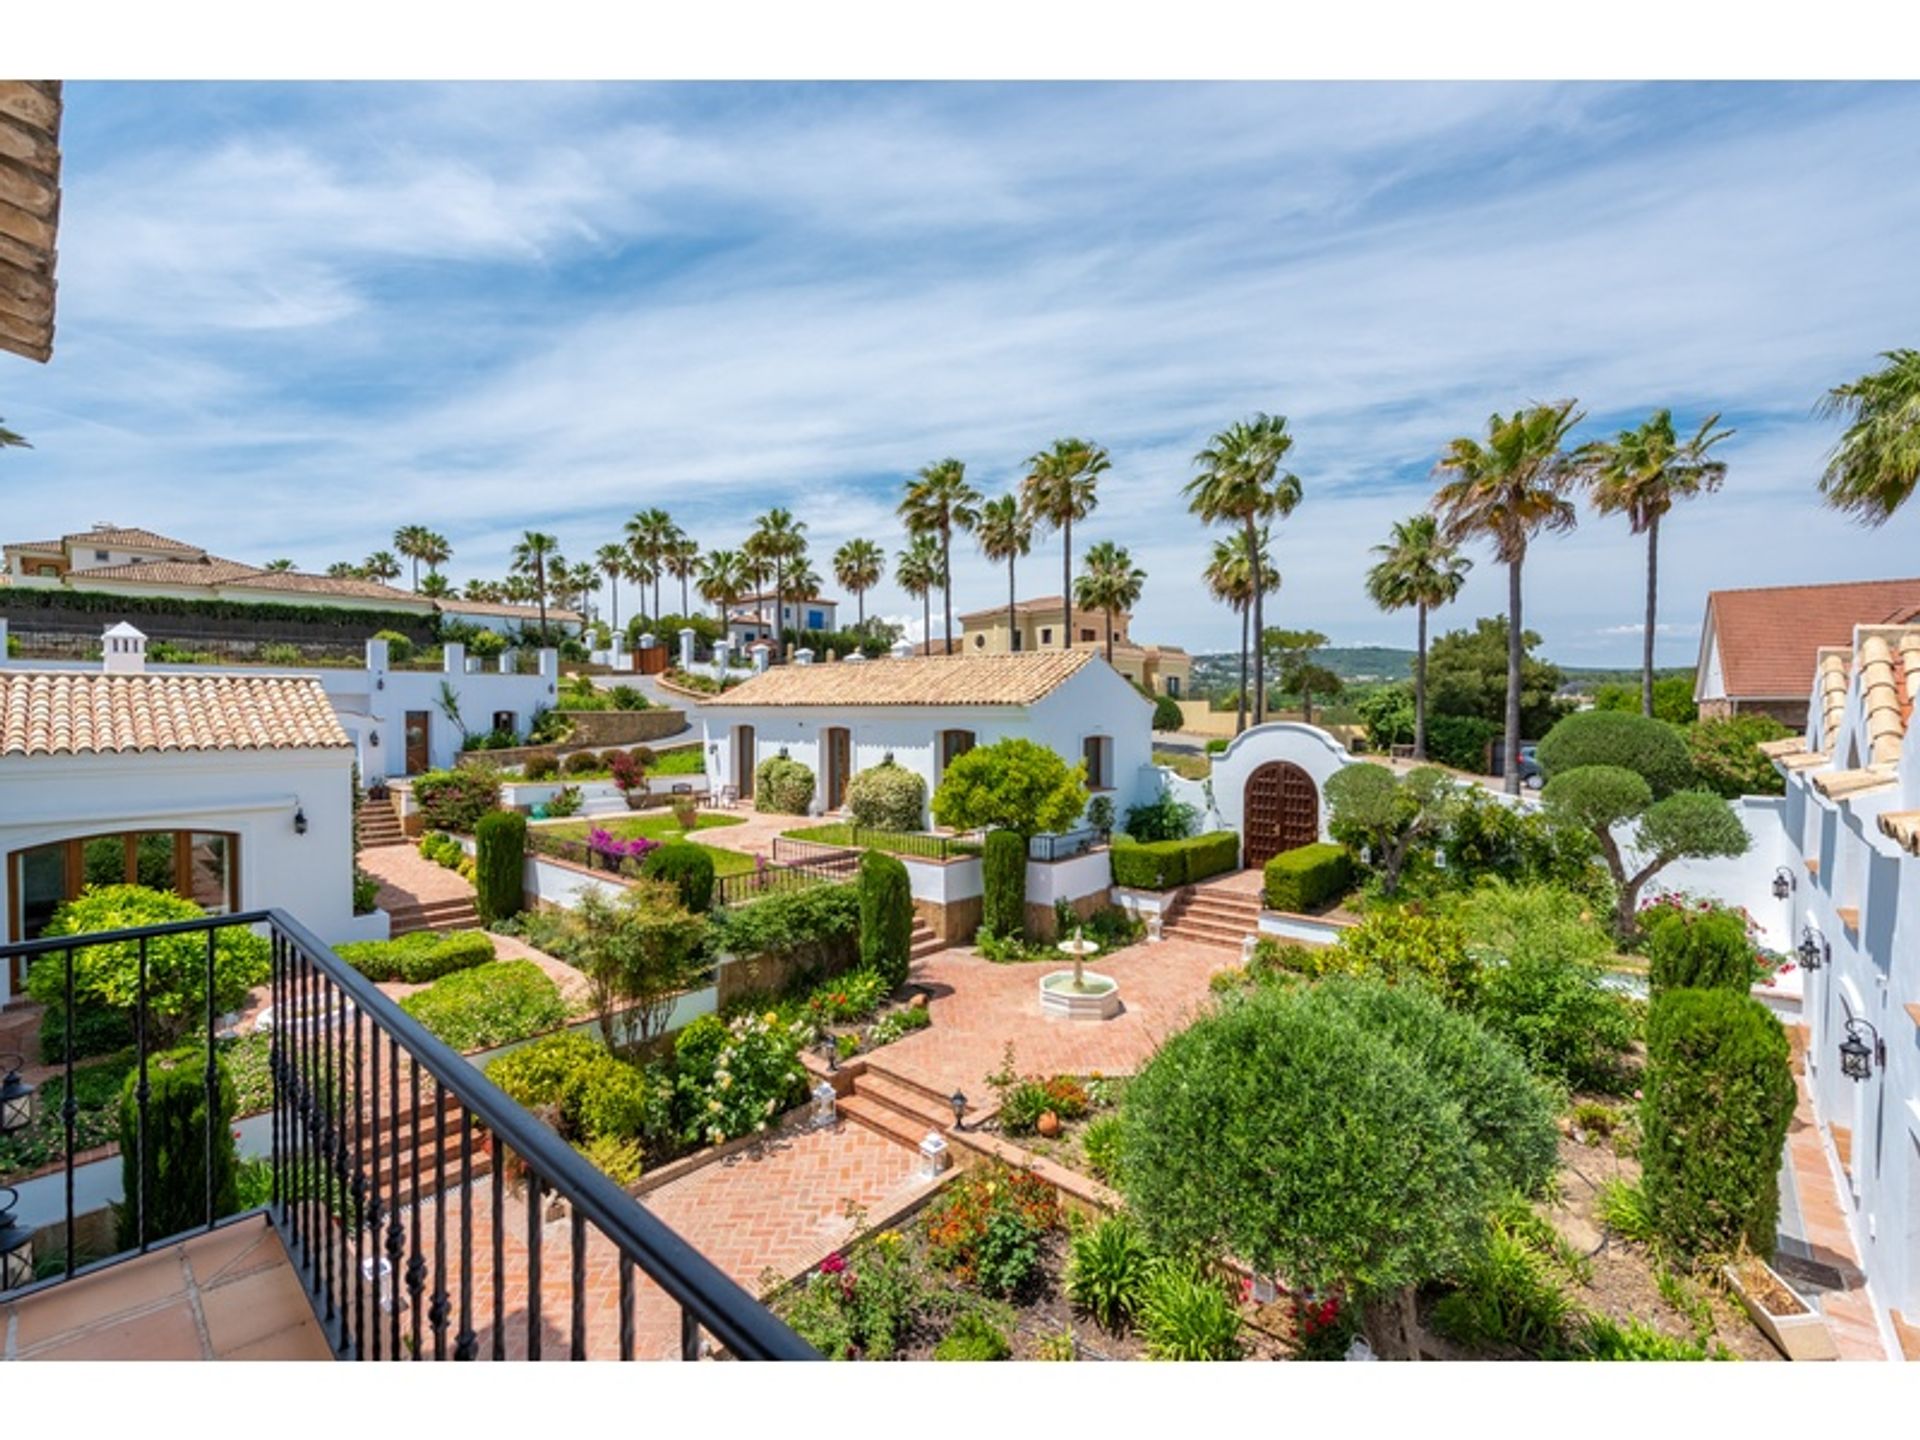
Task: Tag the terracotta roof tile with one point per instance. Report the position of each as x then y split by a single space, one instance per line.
491 607
1768 638
976 680
1839 784
295 581
1903 828
207 570
68 712
130 537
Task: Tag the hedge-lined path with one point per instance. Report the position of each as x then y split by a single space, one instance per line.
407 878
979 1006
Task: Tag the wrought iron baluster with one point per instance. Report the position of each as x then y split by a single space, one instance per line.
336 1162
213 1077
69 1112
396 1236
533 1264
376 1207
275 1058
142 1091
441 1308
499 1249
417 1266
359 1191
626 1306
579 1237
464 1345
689 1334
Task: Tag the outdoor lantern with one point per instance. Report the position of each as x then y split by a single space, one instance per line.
1812 950
299 819
18 1100
1856 1056
1783 883
16 1245
373 738
829 1051
380 682
959 1102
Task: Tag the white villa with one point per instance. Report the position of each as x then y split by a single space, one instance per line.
1851 820
750 618
843 717
127 561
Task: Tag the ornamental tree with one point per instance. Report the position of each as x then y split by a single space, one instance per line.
1386 816
1012 784
1690 824
639 952
1651 749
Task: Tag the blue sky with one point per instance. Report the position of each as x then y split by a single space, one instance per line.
294 317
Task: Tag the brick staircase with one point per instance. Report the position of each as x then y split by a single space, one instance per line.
378 825
1209 916
457 914
924 942
418 1172
900 1109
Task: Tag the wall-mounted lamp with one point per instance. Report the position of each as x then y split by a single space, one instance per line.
373 738
1784 883
299 819
16 1244
1814 951
1857 1058
380 682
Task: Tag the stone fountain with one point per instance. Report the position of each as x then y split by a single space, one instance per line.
1079 994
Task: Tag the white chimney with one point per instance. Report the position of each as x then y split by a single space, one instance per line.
123 651
903 649
803 656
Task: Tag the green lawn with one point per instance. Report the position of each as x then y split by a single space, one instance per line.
687 760
838 834
661 826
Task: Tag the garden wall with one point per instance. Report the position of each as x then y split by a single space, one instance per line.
1746 880
1084 882
946 894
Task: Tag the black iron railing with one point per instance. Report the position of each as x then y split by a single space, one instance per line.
399 1173
1049 848
771 877
915 843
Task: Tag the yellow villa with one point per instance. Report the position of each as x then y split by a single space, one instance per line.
1038 623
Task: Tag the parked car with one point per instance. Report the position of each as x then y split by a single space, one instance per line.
1532 777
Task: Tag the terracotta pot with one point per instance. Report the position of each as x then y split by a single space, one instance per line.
1048 1124
918 1002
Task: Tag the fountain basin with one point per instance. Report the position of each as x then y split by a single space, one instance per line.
1094 997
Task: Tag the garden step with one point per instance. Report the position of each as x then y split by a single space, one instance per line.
1222 904
912 1105
936 1098
923 944
434 915
1222 938
883 1121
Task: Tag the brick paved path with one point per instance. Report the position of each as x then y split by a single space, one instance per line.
408 878
1823 1232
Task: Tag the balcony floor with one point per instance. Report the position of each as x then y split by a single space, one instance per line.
230 1295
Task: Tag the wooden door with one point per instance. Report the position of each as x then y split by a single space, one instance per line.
743 760
1282 812
419 750
839 764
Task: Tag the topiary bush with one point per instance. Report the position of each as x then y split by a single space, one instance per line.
456 799
887 797
886 917
399 647
1699 950
1651 749
688 867
1718 1095
1169 864
1297 880
499 867
418 958
491 1005
1166 713
783 786
174 1151
1003 907
541 765
583 762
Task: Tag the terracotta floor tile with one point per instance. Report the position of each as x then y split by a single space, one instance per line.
238 1250
165 1334
296 1342
253 1308
131 1285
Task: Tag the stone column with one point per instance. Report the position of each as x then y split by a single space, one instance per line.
686 648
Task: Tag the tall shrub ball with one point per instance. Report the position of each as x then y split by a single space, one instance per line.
1700 950
174 1152
688 867
886 917
887 797
1003 906
1718 1095
499 870
1652 749
783 786
456 799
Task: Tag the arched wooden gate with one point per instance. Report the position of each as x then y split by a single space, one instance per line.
1281 812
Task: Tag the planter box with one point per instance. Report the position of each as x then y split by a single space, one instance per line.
1788 1319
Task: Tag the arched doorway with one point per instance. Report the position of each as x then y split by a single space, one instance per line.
1281 812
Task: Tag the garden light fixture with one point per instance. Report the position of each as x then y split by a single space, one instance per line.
18 1100
1813 950
299 819
1857 1057
1783 883
959 1102
16 1244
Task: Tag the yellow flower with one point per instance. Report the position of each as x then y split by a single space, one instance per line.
772 1018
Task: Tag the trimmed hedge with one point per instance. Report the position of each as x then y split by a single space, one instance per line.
1299 879
886 917
419 958
1718 1096
491 1005
887 797
421 627
688 867
1700 950
1169 864
175 1152
499 865
1003 906
783 785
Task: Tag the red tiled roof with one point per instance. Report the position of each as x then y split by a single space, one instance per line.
1768 638
63 712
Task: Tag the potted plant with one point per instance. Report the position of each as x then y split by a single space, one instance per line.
1784 1316
686 813
629 778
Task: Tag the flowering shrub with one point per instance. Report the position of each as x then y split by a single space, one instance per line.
860 1306
1323 1328
754 1073
992 1218
613 849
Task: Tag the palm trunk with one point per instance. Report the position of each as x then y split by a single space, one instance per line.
1240 716
779 619
1259 627
860 610
685 602
946 573
1109 637
1066 581
613 590
1515 650
926 617
416 573
656 597
1013 607
1653 590
540 577
1420 687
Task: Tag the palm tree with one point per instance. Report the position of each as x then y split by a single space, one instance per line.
916 570
803 583
436 551
939 499
1508 490
1874 467
1241 483
410 541
278 567
1640 474
722 579
1418 568
581 581
381 566
530 557
1111 582
12 438
649 533
858 565
1229 577
757 570
612 560
1005 532
520 590
436 586
780 541
1059 489
486 592
345 570
682 561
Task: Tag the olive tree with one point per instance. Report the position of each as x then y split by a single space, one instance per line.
1386 816
1686 825
1012 784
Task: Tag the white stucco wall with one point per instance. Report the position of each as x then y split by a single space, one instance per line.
250 794
1747 880
1069 880
1308 746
